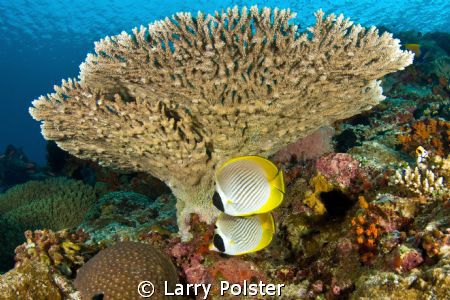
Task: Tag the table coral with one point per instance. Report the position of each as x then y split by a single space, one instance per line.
237 82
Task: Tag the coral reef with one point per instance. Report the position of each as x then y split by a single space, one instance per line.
105 179
339 167
115 272
429 179
217 92
63 250
125 215
432 134
15 168
32 280
366 233
55 203
312 198
363 216
312 146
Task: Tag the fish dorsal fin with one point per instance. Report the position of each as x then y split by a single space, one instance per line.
268 166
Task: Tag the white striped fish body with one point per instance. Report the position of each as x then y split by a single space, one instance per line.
241 235
248 185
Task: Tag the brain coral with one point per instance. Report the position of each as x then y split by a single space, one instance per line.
179 97
117 271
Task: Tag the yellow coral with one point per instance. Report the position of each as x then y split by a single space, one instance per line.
320 184
70 247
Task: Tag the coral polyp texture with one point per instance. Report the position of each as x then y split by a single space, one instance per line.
115 272
181 96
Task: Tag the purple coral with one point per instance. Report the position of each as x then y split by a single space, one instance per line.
313 146
411 260
339 167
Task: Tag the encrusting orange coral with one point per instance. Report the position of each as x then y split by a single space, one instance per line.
362 202
366 232
432 134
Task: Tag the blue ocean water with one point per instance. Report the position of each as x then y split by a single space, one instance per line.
45 41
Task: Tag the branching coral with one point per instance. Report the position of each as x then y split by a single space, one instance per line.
428 179
187 93
55 203
61 249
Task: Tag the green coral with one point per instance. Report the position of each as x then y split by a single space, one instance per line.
55 203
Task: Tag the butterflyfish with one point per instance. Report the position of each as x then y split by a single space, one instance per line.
242 235
248 185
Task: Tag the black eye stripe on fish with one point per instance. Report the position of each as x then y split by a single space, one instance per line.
218 243
217 202
242 235
249 185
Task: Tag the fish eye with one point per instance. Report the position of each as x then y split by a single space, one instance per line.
218 243
217 202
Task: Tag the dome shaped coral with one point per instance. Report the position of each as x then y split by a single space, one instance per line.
116 272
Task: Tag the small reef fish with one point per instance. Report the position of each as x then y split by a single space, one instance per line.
414 48
421 152
248 185
242 235
422 156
